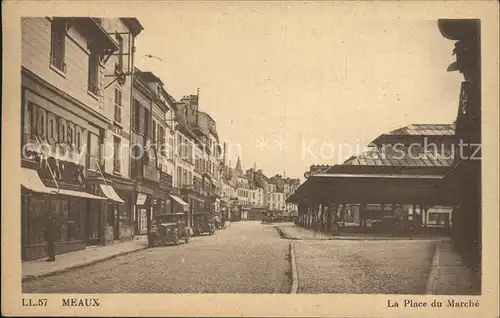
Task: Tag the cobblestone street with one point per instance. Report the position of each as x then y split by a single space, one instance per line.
247 257
346 266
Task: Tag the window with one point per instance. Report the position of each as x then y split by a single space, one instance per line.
116 155
171 150
119 39
155 124
58 39
146 128
93 80
179 177
136 116
94 151
74 221
36 220
118 105
432 217
161 141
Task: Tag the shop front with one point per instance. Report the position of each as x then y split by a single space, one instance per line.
118 217
179 205
59 136
163 204
68 208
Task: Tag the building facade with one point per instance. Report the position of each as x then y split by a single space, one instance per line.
67 122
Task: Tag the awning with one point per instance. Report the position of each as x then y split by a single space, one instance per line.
110 193
31 181
77 194
179 200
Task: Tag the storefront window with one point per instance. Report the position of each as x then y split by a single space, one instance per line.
94 221
74 224
37 219
63 220
55 210
167 206
124 212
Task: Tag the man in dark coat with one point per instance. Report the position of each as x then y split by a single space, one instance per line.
49 238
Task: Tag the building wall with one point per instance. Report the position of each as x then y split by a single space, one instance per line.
73 220
183 163
36 48
121 129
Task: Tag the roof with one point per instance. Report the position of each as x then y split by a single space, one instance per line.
397 157
424 130
380 188
148 76
134 25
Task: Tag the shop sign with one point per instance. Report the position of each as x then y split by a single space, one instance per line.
141 199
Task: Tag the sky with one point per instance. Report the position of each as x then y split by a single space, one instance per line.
292 85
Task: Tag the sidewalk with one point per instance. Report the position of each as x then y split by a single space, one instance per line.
449 275
91 255
293 232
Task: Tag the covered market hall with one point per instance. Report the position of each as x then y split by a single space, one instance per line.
377 191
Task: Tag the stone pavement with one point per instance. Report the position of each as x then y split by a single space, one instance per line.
246 258
293 232
448 275
91 255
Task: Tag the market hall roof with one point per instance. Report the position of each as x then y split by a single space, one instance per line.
397 157
417 132
387 174
425 130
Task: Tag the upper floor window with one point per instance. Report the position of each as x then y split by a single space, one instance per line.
146 128
58 39
93 80
155 125
116 154
136 116
94 151
118 105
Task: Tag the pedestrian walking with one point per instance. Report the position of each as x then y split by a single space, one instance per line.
49 239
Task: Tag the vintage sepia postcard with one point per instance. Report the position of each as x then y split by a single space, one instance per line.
250 158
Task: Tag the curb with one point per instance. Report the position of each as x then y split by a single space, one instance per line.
29 278
284 235
432 280
295 274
